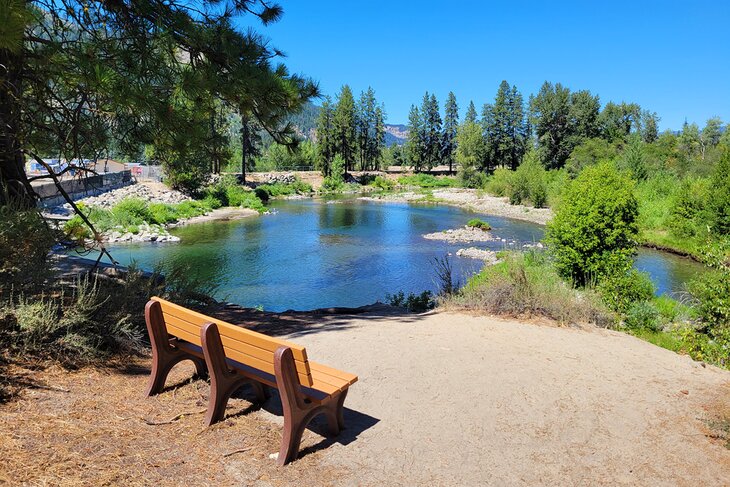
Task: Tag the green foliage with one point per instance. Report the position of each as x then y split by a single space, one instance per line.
384 184
529 285
25 242
282 189
131 211
642 315
278 157
529 183
720 194
500 183
621 290
589 153
712 291
480 224
414 303
505 127
87 323
427 181
688 208
336 180
595 229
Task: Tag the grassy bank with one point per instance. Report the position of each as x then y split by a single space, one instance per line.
527 285
133 214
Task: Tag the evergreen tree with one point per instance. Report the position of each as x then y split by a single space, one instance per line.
344 127
370 130
451 126
431 131
471 113
505 128
414 147
325 137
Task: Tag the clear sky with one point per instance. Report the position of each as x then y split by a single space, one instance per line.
670 57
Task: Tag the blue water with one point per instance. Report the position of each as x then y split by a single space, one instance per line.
312 253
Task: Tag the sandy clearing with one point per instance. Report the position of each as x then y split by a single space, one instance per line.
462 400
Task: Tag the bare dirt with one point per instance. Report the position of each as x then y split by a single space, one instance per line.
443 398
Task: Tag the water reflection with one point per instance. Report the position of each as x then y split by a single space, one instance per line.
312 254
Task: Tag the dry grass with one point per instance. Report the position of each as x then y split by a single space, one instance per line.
95 427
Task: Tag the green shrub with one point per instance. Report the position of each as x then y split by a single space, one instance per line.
480 224
282 189
427 181
642 315
414 303
76 229
383 183
161 213
473 178
528 285
620 290
262 194
595 229
711 290
131 211
688 208
500 182
720 194
25 241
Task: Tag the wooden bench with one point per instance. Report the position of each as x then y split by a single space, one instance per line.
234 356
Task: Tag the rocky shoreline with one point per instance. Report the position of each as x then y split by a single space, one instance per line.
151 193
471 199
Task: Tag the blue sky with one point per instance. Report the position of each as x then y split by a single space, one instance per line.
670 57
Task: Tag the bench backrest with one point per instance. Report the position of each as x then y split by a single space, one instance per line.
244 346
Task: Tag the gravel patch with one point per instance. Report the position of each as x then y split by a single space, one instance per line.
462 235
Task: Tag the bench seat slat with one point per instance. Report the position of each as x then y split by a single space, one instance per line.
339 375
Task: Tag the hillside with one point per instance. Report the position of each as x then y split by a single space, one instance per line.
306 125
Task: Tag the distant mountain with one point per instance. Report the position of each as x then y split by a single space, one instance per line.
306 126
395 134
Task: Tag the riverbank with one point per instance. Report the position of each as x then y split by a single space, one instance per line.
527 404
144 212
472 200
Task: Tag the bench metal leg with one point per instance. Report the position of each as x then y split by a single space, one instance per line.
223 382
164 356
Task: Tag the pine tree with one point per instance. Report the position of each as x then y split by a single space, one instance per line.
343 121
431 131
325 137
414 146
550 113
370 130
451 126
471 113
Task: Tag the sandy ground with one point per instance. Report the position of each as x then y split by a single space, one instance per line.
443 399
450 399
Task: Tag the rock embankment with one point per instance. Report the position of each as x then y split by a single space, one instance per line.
151 193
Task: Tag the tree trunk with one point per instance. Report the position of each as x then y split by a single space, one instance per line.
244 146
14 186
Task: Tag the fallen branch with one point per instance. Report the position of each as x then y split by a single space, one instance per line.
172 420
242 450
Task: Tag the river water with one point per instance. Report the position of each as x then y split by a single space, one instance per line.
316 253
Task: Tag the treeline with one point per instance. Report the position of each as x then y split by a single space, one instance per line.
353 130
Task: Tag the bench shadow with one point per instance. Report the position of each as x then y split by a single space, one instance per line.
356 423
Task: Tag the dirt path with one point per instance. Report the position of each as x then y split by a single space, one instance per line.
443 399
463 400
